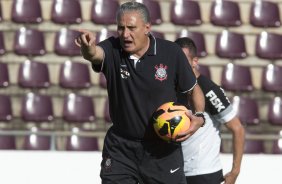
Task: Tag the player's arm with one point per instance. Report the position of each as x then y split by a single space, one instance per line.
238 134
89 50
197 100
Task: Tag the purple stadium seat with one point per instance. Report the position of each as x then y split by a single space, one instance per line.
183 12
102 11
198 38
154 9
105 33
5 108
269 45
64 44
277 146
102 81
274 115
225 13
7 142
230 45
1 16
265 14
33 74
272 78
78 108
4 75
37 108
35 141
74 75
26 11
29 42
158 34
237 78
107 116
81 143
66 12
247 109
253 146
2 44
205 70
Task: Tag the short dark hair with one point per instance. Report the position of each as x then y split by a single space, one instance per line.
134 6
185 42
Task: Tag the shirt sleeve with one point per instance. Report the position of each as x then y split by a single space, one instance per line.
217 103
107 46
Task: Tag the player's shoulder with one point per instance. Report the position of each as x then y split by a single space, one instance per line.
169 45
206 83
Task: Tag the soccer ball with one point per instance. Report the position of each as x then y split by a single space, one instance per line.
170 120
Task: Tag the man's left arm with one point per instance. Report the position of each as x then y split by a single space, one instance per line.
196 100
238 135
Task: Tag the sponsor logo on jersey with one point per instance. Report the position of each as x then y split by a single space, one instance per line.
161 73
225 95
215 101
123 72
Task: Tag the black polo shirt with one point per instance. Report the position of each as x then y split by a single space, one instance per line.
135 93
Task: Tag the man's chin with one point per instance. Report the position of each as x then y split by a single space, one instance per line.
129 50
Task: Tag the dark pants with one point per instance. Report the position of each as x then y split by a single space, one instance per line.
212 178
127 161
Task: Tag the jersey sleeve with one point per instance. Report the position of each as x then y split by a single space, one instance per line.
217 103
107 46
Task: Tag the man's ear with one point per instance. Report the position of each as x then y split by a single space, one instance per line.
148 27
195 61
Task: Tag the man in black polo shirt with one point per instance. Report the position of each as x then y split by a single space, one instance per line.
142 73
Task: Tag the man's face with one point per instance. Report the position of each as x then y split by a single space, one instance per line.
193 61
188 56
132 32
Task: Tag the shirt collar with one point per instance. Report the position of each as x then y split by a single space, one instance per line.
152 50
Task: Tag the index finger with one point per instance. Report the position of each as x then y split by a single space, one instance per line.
84 31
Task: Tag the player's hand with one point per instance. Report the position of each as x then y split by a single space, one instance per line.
195 124
86 38
86 41
230 178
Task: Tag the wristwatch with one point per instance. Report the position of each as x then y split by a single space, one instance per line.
201 114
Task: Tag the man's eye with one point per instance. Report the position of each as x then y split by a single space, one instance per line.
120 28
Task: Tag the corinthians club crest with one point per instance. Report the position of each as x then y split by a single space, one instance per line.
161 73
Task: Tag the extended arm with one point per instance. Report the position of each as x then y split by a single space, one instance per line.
89 50
238 134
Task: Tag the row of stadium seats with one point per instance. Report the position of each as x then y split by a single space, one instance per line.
40 108
39 139
257 146
228 44
43 140
77 108
182 12
33 74
36 75
31 42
